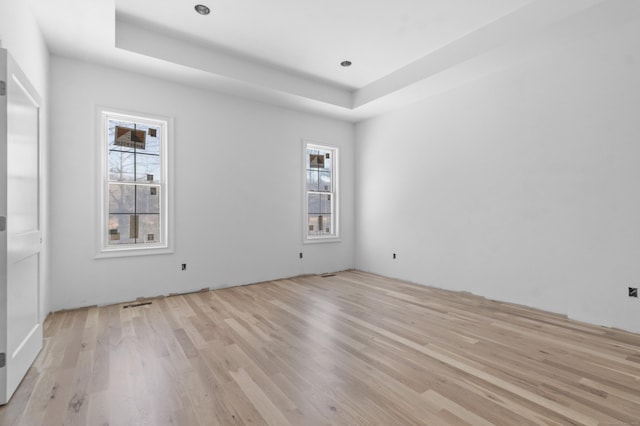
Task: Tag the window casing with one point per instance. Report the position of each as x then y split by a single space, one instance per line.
134 184
321 198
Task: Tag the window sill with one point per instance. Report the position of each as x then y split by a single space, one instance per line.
128 252
320 240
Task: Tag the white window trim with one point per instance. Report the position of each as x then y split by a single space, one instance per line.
103 250
314 239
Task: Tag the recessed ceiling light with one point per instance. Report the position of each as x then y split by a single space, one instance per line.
345 63
202 9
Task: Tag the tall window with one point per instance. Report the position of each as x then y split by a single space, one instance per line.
134 202
321 192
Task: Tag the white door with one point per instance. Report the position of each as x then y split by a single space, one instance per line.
20 238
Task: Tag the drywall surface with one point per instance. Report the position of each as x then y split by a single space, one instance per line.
522 186
238 189
19 34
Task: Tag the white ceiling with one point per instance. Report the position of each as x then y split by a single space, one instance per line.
313 37
288 52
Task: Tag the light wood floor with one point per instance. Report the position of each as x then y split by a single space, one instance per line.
351 349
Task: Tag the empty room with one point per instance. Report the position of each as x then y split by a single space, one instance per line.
418 212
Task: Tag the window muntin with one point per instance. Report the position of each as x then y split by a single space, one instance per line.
134 207
320 209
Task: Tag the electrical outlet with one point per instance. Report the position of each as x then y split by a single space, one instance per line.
633 291
184 266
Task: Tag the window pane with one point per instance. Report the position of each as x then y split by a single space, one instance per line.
148 199
320 224
312 180
326 204
122 229
320 204
121 198
328 160
153 139
325 182
112 134
121 166
318 159
314 206
327 224
119 229
313 225
149 231
308 158
152 136
147 168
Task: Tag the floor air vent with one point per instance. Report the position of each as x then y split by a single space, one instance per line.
135 305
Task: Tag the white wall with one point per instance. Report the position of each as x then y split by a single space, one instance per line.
19 34
522 187
238 201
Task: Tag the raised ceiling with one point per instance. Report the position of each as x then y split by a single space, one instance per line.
313 37
288 52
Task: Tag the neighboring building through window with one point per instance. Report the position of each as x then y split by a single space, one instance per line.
134 183
321 192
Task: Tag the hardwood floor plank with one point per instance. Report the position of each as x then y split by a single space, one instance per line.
77 408
12 414
272 415
188 347
35 410
98 411
461 412
350 349
60 395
